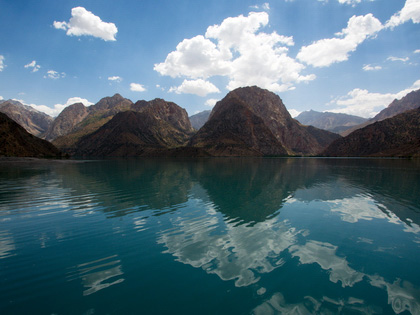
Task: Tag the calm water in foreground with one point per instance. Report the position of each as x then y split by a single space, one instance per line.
210 236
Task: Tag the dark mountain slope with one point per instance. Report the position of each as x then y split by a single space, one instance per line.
258 107
16 141
34 122
396 136
130 134
408 102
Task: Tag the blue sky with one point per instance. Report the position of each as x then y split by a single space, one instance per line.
351 56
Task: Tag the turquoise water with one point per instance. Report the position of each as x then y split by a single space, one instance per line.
210 236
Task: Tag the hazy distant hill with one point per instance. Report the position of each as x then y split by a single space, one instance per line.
395 136
156 125
198 120
16 141
408 102
334 122
34 122
254 121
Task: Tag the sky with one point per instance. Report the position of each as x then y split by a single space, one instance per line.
348 56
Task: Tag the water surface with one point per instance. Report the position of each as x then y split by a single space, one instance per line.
210 236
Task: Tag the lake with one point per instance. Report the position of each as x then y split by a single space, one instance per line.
210 236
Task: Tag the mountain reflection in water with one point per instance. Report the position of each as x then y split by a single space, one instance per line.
283 235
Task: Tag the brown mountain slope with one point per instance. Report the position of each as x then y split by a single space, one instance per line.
396 136
34 122
66 121
263 124
16 141
408 102
130 133
236 131
81 124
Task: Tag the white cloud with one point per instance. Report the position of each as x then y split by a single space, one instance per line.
417 51
264 6
52 74
115 78
84 22
1 98
57 108
371 68
1 63
410 11
363 103
33 65
198 87
238 50
211 102
392 58
325 52
294 113
137 87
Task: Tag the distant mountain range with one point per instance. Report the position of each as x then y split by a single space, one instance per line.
334 122
249 121
198 120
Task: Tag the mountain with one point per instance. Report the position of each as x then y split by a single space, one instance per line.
408 102
34 122
16 141
153 129
198 120
254 121
395 136
66 121
334 122
77 122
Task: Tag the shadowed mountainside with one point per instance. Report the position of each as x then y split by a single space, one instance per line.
16 141
254 121
396 136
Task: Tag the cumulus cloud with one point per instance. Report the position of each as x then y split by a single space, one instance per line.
1 63
366 104
239 50
325 52
115 78
211 102
294 113
84 22
136 87
410 11
371 68
198 87
417 51
52 74
57 108
32 65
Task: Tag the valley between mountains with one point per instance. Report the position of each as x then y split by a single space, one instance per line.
248 121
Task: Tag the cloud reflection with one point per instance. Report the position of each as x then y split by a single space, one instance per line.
235 251
96 275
